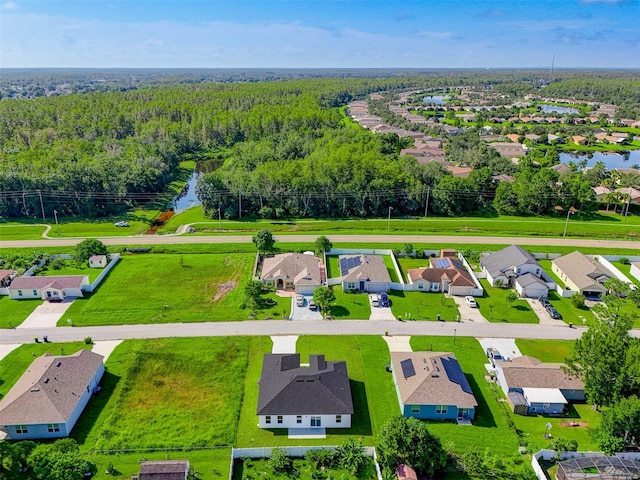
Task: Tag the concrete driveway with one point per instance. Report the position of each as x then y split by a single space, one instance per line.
303 312
543 315
468 314
284 343
398 343
506 346
381 313
46 315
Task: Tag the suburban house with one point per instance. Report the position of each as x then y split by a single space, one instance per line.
635 270
49 397
533 387
98 261
164 470
5 278
581 274
514 267
48 288
508 150
445 274
367 273
299 271
292 396
431 385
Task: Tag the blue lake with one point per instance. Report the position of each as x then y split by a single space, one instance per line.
435 99
611 160
187 198
556 109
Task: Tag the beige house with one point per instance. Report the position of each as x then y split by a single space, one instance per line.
581 274
48 288
302 272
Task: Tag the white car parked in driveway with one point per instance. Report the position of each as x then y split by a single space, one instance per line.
374 299
469 300
299 300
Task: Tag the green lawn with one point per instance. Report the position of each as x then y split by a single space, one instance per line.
211 464
162 288
20 231
353 306
494 307
553 351
15 363
388 262
407 263
70 268
423 306
174 392
248 469
14 312
333 266
626 269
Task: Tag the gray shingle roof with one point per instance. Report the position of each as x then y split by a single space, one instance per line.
371 268
582 270
50 389
507 258
286 388
436 379
530 279
529 372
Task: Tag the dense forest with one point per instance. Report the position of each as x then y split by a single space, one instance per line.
280 148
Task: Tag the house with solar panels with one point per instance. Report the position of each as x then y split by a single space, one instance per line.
365 273
431 385
444 275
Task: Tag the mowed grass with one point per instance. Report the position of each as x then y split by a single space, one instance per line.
333 266
71 268
495 308
552 351
14 312
408 263
423 306
16 363
19 231
172 392
161 288
372 389
626 269
210 464
490 429
353 306
393 274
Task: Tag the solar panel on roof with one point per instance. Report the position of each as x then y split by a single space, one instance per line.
442 263
348 263
407 368
454 372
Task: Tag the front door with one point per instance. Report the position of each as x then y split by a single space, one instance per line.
316 421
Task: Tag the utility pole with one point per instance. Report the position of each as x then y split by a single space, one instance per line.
426 206
240 205
219 219
389 220
44 220
55 215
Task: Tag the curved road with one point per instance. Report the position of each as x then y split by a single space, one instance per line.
191 239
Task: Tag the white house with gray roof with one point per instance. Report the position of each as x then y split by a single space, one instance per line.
293 396
514 267
49 397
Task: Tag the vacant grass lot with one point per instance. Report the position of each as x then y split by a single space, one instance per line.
21 231
495 308
15 363
354 306
14 312
423 306
152 288
172 392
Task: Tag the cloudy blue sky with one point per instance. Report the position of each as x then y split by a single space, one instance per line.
335 33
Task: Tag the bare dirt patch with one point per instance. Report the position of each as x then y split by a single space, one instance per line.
221 289
574 424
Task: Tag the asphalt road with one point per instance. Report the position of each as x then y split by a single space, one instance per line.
286 327
191 239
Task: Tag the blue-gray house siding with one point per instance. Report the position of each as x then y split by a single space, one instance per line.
436 412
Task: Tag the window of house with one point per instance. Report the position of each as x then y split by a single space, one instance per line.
415 409
351 285
299 419
22 429
338 418
267 419
279 418
441 409
53 427
35 292
19 293
420 286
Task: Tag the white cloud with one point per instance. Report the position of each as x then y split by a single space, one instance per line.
435 35
9 6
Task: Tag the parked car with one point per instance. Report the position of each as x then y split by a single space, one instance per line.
469 300
373 299
384 300
312 304
544 301
121 224
299 300
494 354
553 312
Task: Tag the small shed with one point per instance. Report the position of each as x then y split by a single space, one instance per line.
98 261
517 403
